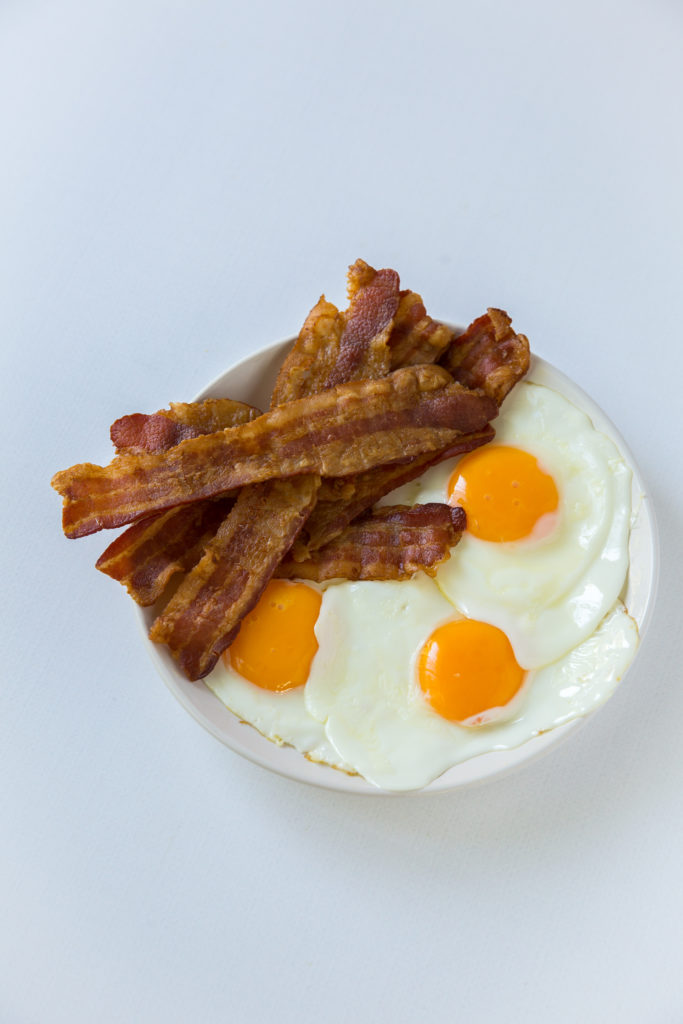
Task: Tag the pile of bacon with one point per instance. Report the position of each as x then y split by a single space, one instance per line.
226 497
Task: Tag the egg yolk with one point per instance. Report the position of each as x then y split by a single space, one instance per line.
504 492
276 643
468 667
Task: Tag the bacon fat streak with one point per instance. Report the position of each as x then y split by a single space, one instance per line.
391 543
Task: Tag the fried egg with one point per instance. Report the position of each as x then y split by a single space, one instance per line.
548 505
368 683
520 631
261 677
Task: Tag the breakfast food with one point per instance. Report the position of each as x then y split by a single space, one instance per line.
132 435
559 640
204 615
341 431
370 693
391 543
544 560
489 356
393 586
147 555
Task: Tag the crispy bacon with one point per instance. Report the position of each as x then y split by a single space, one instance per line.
159 431
341 500
335 433
359 275
335 348
203 616
356 342
415 337
311 359
363 347
489 355
179 469
148 554
391 543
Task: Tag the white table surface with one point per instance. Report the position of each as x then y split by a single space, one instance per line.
178 184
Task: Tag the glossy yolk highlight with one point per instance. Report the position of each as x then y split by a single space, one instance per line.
276 643
504 492
466 668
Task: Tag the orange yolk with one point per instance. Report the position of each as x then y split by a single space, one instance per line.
504 492
276 643
466 668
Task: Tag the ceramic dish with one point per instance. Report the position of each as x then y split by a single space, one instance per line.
251 381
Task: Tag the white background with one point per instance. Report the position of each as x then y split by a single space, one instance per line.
178 183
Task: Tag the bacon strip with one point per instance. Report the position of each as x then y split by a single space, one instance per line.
415 337
335 433
311 359
489 355
340 501
391 543
355 341
159 431
363 349
148 554
334 348
203 616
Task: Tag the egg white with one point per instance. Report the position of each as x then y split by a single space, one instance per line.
364 684
280 717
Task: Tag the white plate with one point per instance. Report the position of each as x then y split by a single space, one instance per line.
252 381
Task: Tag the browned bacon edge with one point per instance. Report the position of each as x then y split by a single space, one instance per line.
338 432
334 347
416 337
363 347
203 617
311 359
340 501
159 431
148 554
391 543
489 355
